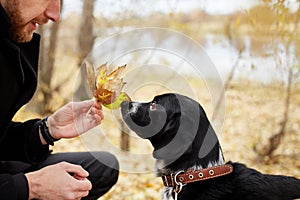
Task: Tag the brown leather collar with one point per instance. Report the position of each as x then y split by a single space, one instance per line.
182 178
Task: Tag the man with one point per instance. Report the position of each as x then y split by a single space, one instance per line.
27 169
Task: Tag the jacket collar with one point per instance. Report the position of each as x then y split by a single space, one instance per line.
4 22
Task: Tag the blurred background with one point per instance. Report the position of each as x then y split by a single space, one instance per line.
254 45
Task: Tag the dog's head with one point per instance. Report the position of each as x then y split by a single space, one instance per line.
177 128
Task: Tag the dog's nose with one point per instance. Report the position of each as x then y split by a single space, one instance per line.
126 105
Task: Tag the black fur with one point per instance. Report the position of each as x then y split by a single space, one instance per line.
183 139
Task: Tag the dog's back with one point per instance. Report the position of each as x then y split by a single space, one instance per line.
243 184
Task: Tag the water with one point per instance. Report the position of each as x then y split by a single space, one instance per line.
215 52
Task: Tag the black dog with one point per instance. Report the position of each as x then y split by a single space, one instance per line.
189 157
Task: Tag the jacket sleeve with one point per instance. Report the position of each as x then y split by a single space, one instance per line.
22 142
13 187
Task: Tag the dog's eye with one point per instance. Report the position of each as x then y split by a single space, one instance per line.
153 106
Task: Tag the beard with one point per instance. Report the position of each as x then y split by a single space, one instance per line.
17 31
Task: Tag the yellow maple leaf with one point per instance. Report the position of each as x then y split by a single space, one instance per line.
107 87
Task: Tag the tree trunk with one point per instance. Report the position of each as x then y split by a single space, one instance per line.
240 48
125 139
86 36
46 63
267 150
85 43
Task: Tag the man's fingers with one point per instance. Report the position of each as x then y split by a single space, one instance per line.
75 169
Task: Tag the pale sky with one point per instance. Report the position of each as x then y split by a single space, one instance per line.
144 7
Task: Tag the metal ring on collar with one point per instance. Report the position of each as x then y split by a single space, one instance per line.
175 178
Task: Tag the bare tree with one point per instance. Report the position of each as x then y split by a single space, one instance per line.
47 61
86 35
240 47
125 139
85 42
288 38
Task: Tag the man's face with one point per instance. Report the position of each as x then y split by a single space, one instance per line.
26 15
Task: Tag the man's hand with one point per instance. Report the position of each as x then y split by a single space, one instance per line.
62 181
74 119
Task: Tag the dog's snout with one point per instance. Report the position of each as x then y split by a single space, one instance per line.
125 107
125 104
129 106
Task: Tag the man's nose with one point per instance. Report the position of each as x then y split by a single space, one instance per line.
53 10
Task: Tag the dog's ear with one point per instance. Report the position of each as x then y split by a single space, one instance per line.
186 132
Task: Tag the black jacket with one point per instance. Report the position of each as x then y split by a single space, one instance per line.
19 142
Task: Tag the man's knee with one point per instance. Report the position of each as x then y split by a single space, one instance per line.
112 170
107 167
104 173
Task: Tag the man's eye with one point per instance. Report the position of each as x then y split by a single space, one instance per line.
153 106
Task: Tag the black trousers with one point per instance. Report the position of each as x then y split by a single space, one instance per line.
103 169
